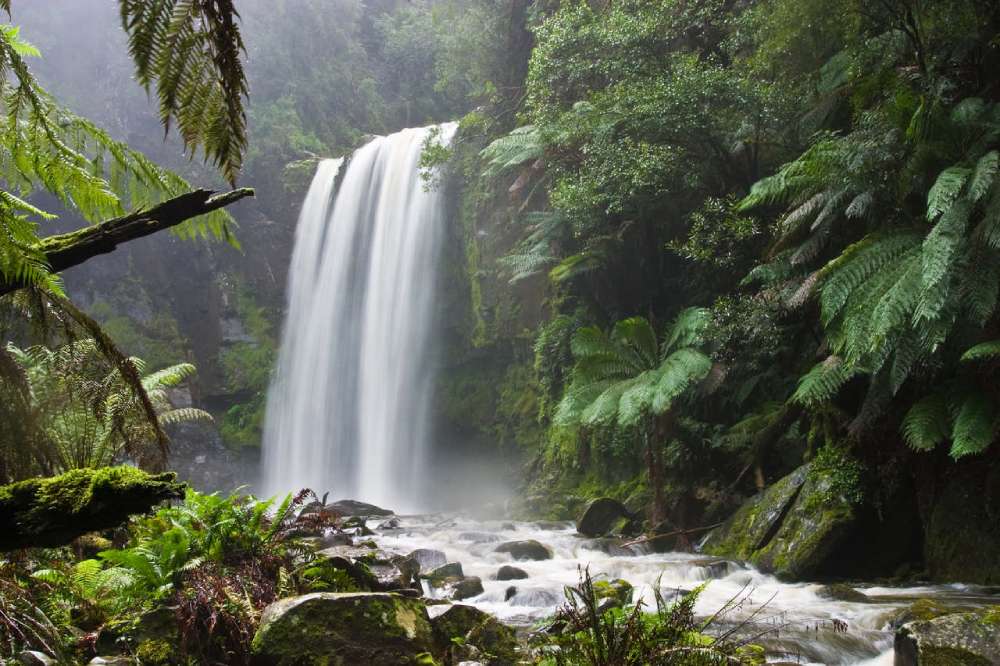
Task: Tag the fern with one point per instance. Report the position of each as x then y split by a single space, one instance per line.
984 350
975 425
945 190
926 424
190 52
522 145
823 382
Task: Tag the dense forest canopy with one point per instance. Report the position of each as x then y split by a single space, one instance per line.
715 265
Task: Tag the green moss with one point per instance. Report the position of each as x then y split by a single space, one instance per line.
947 656
154 652
56 510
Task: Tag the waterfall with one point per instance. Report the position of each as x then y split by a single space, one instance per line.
347 411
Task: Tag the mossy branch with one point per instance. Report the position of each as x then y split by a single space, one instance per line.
52 512
71 249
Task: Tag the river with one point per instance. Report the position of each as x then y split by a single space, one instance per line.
796 623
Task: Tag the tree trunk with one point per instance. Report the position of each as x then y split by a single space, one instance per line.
67 250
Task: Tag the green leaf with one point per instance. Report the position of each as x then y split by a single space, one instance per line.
984 350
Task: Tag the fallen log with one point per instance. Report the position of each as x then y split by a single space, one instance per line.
64 251
45 513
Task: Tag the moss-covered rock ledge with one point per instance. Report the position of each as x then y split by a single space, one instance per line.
54 511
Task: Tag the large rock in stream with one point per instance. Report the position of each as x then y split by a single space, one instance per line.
525 550
495 643
343 630
812 525
601 516
959 639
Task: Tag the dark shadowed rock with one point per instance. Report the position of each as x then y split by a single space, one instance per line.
602 516
510 593
507 572
960 639
525 550
354 508
353 628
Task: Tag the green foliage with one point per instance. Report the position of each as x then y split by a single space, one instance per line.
89 415
627 376
596 635
46 147
191 50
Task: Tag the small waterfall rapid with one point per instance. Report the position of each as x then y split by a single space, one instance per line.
347 410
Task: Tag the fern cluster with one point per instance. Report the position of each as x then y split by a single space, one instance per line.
43 146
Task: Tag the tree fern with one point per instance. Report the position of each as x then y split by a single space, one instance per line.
926 423
975 425
190 51
522 145
823 382
982 351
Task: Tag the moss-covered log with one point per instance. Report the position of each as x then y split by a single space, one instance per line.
71 249
52 512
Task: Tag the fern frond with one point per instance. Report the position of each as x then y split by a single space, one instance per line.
975 425
191 51
984 350
984 176
926 424
823 382
945 191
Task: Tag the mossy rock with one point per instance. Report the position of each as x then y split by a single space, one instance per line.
495 641
818 523
343 630
54 511
842 592
959 639
757 521
602 516
962 533
618 591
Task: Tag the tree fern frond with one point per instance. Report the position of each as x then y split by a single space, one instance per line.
191 51
183 415
926 424
857 264
823 382
686 330
523 144
984 175
984 350
945 191
975 425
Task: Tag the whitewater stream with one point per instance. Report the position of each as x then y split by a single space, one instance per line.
795 624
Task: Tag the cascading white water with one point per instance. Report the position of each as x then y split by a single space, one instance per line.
348 408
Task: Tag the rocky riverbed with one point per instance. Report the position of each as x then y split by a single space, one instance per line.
517 572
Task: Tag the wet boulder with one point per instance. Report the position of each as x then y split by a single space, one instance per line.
351 628
348 507
818 523
525 550
437 577
429 559
602 516
507 572
464 588
757 521
962 639
494 641
842 592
